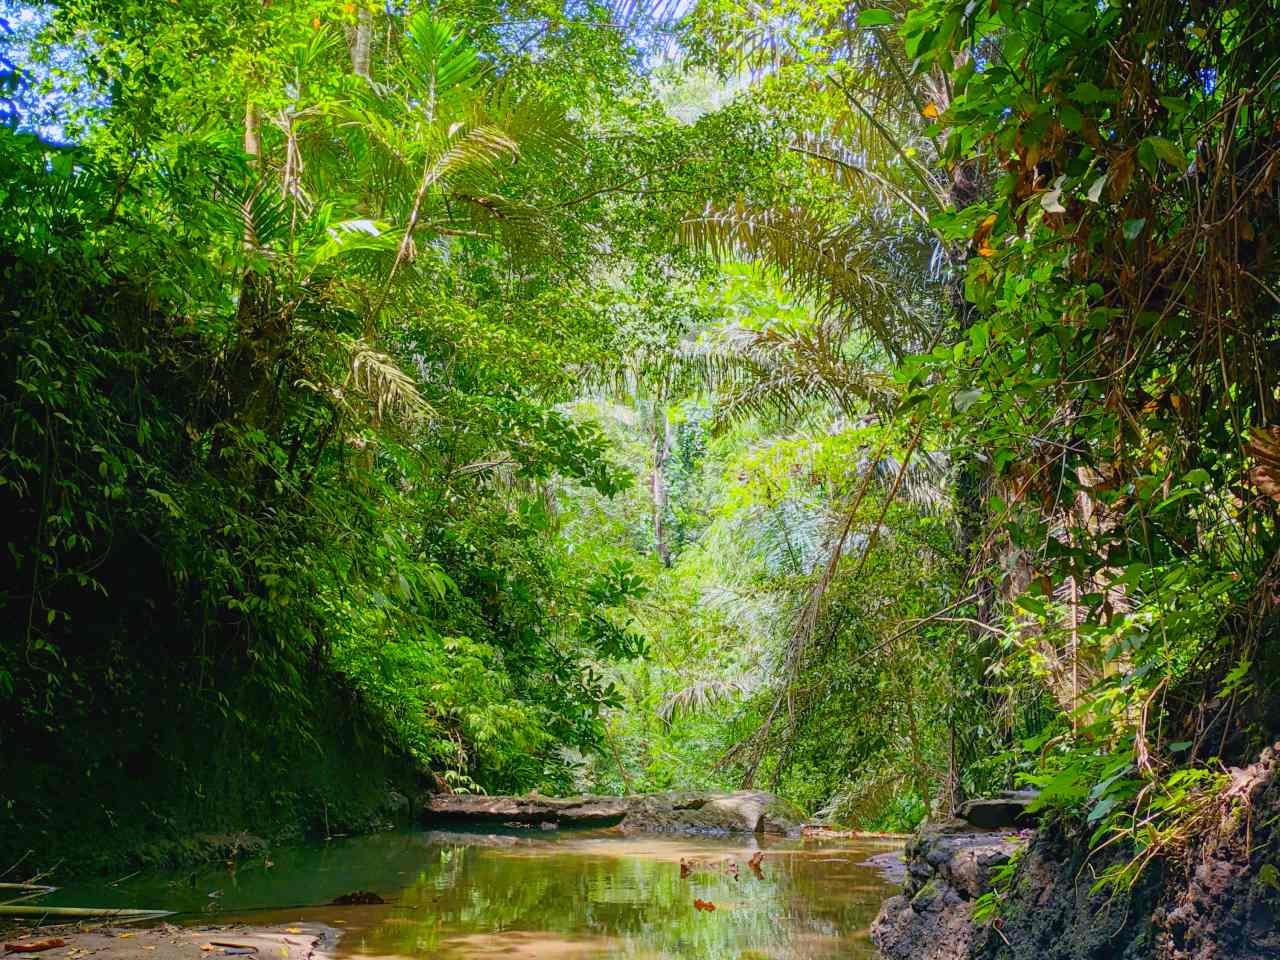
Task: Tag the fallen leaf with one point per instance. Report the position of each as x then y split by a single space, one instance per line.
35 946
703 905
292 929
126 936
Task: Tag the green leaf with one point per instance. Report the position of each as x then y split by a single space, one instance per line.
1166 150
1102 808
1071 118
1086 93
875 18
1133 228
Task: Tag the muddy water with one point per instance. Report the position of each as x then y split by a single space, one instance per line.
569 895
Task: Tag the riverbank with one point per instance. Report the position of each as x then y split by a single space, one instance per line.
1220 900
303 941
183 781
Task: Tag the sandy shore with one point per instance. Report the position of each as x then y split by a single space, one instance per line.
301 941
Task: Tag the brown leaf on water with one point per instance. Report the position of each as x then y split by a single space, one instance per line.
754 864
703 905
1264 448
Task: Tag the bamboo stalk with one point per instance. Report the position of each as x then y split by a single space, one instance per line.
33 890
114 913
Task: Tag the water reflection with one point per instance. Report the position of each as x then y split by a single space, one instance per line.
566 896
588 897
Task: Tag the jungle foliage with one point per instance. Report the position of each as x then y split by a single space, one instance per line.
873 402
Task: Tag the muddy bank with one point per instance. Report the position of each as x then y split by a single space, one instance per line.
1222 902
301 941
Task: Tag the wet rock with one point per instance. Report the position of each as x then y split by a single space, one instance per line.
706 813
578 811
890 865
357 898
743 812
396 805
949 865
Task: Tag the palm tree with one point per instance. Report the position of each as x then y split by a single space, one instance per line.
868 143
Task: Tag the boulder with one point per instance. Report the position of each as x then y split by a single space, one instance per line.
1007 811
949 865
706 813
743 812
534 810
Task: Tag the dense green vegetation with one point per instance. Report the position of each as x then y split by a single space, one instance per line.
877 403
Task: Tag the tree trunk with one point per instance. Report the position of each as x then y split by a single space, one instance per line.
662 436
362 42
972 487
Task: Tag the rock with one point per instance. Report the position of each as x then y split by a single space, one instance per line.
1220 900
949 865
890 865
396 805
709 813
577 811
743 812
934 925
358 898
1008 811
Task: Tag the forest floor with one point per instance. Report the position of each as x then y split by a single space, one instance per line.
305 941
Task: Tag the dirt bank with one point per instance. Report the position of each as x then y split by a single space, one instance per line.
1220 902
301 941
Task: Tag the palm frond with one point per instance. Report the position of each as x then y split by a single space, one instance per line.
386 387
787 369
264 215
440 61
699 696
838 267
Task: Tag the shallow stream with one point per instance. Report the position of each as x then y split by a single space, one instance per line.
551 896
